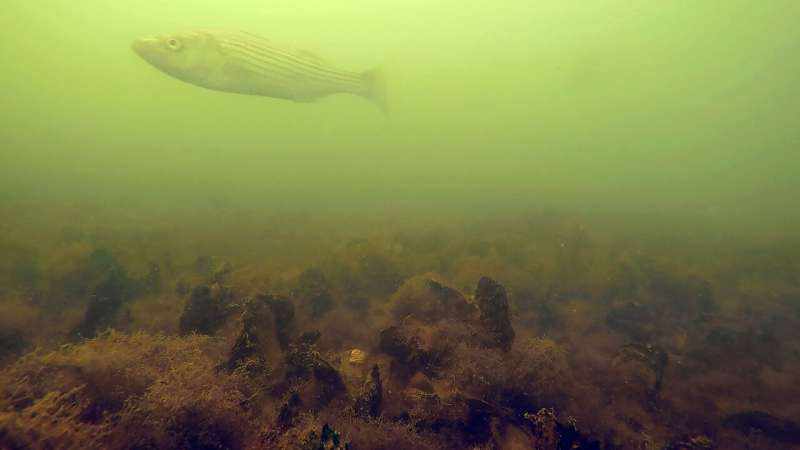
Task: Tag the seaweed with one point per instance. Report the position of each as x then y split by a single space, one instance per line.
313 291
430 301
248 349
494 314
105 303
646 344
12 343
304 361
775 428
327 439
283 316
368 402
204 312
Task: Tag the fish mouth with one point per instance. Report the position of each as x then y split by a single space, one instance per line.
141 46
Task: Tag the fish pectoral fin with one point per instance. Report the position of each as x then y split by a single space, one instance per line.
234 68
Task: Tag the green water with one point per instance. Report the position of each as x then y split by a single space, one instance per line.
685 110
582 209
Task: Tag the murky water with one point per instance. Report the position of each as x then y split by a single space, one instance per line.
576 226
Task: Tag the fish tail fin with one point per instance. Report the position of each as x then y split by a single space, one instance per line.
375 88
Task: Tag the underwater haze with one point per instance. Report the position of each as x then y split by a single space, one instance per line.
679 108
407 225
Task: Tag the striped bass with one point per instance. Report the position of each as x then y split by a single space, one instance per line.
245 63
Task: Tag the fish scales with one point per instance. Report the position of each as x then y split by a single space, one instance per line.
265 59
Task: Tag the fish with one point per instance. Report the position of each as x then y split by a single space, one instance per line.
245 63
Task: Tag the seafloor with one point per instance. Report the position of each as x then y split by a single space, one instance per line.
232 329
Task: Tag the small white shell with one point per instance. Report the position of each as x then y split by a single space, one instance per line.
357 356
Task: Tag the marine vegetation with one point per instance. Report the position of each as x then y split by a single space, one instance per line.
467 338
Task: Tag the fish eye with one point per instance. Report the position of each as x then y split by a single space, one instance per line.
173 44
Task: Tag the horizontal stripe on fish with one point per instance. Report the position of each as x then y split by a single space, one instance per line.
269 70
274 64
281 57
274 73
299 70
264 45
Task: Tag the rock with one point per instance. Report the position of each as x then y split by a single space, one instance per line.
540 373
248 350
25 271
303 361
358 305
644 363
364 271
104 305
182 288
477 428
222 275
377 275
102 261
688 297
418 347
775 428
192 429
12 343
673 302
429 301
203 265
283 317
428 241
368 402
547 317
544 427
330 384
78 273
494 314
152 280
633 320
309 337
289 411
114 288
463 422
301 357
551 433
148 283
624 284
313 292
412 351
700 442
244 355
203 313
734 342
424 410
792 301
403 348
421 382
328 439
